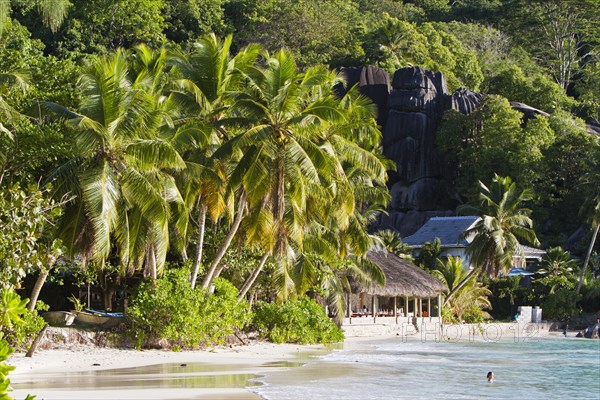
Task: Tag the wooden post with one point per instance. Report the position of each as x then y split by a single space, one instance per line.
373 309
406 306
416 307
439 301
36 341
349 310
429 308
395 310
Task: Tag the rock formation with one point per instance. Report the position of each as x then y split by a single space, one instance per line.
591 332
409 113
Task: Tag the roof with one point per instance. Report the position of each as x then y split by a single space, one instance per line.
402 278
532 252
448 229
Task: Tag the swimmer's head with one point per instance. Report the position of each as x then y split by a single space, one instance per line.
490 376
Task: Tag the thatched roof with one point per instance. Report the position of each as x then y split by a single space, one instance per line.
402 278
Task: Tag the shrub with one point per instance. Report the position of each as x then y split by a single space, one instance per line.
297 321
24 333
19 325
5 351
186 317
562 305
591 297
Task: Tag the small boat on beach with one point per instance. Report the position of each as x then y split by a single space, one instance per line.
98 319
59 318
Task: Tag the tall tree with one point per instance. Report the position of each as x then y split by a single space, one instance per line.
495 237
561 34
206 76
591 207
292 167
53 12
120 176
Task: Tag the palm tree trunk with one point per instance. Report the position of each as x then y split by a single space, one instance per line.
35 293
202 225
151 265
587 257
225 245
248 284
460 285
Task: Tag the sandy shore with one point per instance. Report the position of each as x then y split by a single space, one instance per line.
90 372
83 372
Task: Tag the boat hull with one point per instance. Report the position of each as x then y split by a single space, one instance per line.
59 318
97 320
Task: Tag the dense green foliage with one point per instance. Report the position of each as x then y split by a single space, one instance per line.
186 317
24 246
176 145
470 301
18 325
296 321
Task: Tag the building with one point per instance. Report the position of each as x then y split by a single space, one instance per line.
453 241
409 294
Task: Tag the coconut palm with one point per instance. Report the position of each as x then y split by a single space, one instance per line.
392 241
470 295
279 159
53 12
495 237
303 167
120 176
8 81
557 269
205 78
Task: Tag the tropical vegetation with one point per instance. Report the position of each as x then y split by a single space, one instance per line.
204 147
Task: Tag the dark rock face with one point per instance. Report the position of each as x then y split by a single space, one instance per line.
410 114
465 101
372 82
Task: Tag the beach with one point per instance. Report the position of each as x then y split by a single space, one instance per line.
90 372
383 366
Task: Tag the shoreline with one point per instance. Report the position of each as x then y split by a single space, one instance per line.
225 372
244 365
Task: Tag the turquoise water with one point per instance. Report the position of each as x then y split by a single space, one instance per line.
553 368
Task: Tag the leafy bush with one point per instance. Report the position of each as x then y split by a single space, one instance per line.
24 333
562 305
19 325
5 351
591 297
296 321
186 317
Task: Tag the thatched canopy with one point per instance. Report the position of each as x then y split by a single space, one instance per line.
402 278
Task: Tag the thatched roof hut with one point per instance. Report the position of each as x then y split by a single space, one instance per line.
402 278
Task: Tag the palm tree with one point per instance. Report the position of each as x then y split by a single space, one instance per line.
393 243
120 177
496 235
592 207
470 295
557 268
205 78
303 167
53 12
278 157
8 81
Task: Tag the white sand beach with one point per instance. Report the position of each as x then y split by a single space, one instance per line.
86 371
72 373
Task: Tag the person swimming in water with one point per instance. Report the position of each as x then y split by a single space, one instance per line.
490 376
